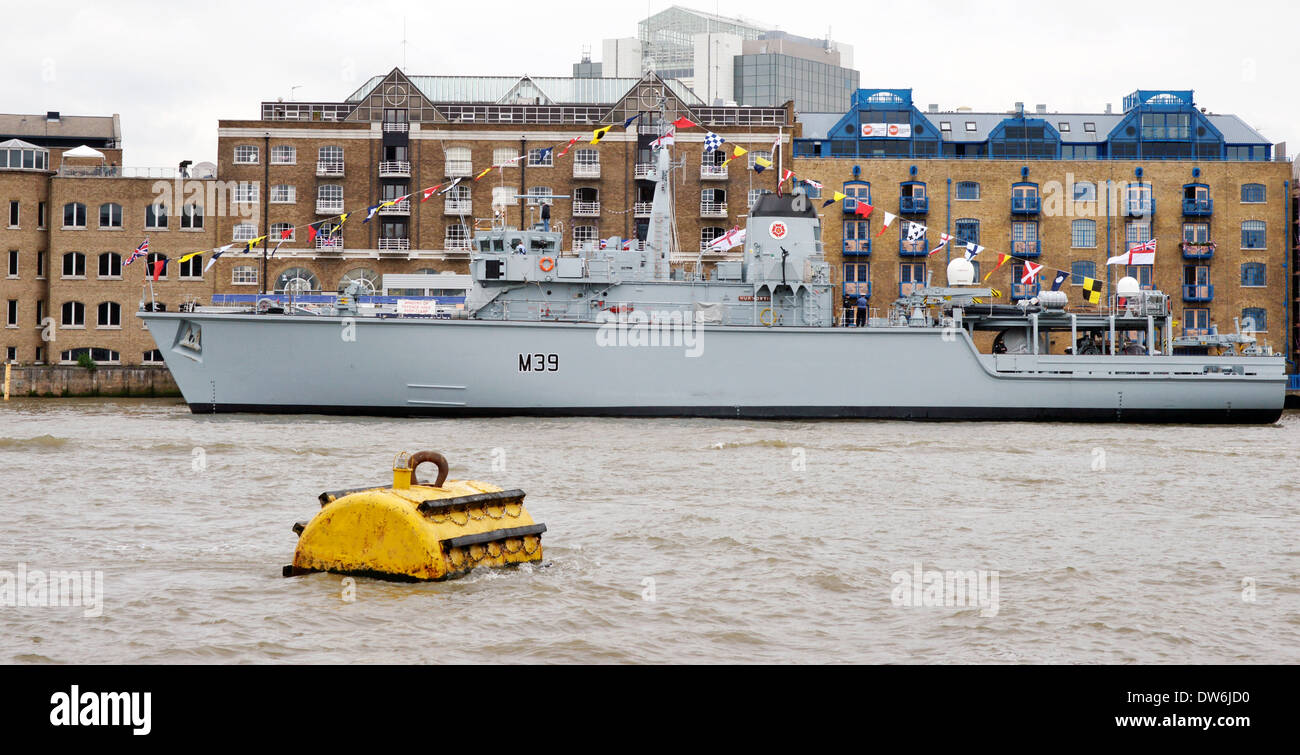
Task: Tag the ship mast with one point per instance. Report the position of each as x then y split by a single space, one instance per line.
659 235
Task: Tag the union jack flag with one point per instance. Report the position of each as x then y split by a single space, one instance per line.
140 251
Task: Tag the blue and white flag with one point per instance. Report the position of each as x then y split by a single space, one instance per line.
712 141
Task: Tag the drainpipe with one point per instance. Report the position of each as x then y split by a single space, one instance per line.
947 252
1286 272
523 174
266 196
1109 284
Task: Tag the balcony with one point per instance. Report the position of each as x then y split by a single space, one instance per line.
329 243
916 248
913 205
1139 207
713 172
1024 290
455 244
586 209
1198 207
400 127
713 209
1026 205
457 207
329 206
458 168
1028 249
395 244
907 288
586 170
642 171
397 208
329 168
857 248
395 169
642 209
1198 293
855 289
1197 251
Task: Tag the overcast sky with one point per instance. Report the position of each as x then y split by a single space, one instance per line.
172 69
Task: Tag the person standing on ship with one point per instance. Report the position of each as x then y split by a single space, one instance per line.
862 310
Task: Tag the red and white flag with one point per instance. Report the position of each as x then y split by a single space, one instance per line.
670 137
1031 273
943 241
429 192
728 240
1138 254
889 218
568 146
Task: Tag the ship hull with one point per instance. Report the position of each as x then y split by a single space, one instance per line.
411 367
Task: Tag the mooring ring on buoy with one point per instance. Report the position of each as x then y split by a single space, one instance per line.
420 457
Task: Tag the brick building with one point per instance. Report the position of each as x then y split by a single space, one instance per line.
1063 190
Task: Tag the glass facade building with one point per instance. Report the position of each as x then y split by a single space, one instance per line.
771 79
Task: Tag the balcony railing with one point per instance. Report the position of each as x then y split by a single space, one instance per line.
329 206
1192 332
910 287
1198 293
1140 207
456 244
913 205
586 170
1030 249
642 209
713 209
457 168
914 248
586 209
395 169
857 288
395 244
398 208
329 168
1024 290
713 172
1197 251
457 207
1198 207
329 243
1025 205
642 170
401 127
857 247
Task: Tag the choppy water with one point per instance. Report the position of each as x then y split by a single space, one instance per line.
751 559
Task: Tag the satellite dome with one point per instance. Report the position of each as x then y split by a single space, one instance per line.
1127 286
961 272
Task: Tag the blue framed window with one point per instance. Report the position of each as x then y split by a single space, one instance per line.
1252 234
1196 233
1196 321
1024 198
1137 232
1024 238
967 230
1254 274
1142 273
911 277
813 192
1080 269
854 192
1085 191
1021 290
1083 234
857 279
857 237
1254 319
1253 193
968 190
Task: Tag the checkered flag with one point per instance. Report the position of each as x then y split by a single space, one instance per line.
712 141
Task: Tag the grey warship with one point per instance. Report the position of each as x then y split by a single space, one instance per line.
622 332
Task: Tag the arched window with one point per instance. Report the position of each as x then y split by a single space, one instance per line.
1254 274
754 154
74 265
155 216
297 280
459 161
1252 234
151 259
74 215
110 215
708 234
278 232
540 195
1253 193
108 315
244 232
1254 319
329 198
110 265
284 154
585 234
858 191
367 278
73 315
284 194
968 190
1083 234
330 153
456 236
504 156
754 194
192 268
713 201
1080 269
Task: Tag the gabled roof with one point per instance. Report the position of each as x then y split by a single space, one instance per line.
18 144
544 90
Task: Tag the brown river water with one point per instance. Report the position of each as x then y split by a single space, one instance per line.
670 540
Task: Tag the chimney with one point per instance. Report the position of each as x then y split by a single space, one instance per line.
1040 109
1108 110
933 108
1019 109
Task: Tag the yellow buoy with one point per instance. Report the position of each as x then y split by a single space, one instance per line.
417 530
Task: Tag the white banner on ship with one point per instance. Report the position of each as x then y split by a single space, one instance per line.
877 130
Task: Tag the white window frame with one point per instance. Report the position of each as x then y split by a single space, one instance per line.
501 156
284 194
114 309
243 275
534 160
279 150
247 154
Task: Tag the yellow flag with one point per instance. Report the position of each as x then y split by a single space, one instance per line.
254 242
599 134
836 196
739 151
483 172
763 161
343 219
189 256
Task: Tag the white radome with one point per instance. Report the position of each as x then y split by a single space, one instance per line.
960 272
1127 286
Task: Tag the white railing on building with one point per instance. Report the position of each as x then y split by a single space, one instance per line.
642 170
712 172
329 206
398 208
642 209
329 243
713 209
395 169
402 244
586 209
402 126
456 168
329 168
457 207
456 244
586 170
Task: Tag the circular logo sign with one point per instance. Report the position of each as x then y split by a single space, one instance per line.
777 230
893 130
866 129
